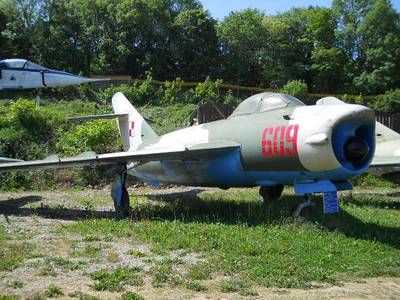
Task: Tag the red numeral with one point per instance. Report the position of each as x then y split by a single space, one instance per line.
291 139
274 140
267 144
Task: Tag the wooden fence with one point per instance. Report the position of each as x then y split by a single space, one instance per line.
239 91
390 120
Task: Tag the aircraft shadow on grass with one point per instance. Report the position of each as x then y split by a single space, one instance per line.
189 207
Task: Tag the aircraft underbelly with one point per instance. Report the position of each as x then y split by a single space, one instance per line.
226 171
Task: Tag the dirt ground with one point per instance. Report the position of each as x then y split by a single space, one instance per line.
35 218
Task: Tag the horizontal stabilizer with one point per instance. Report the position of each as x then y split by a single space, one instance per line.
99 117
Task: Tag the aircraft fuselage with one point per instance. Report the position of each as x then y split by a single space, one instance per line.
296 144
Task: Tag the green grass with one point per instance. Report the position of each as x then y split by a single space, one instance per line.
12 253
195 286
115 280
8 297
200 271
82 296
240 238
15 284
53 291
90 250
163 273
131 296
241 286
137 253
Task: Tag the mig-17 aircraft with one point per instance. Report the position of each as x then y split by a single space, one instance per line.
270 140
18 74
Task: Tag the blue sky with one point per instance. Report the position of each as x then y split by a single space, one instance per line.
221 8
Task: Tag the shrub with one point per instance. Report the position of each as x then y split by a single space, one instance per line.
173 92
389 102
206 91
296 88
100 136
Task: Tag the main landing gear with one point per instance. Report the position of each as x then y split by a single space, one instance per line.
120 195
270 193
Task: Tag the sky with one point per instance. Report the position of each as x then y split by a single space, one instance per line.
221 8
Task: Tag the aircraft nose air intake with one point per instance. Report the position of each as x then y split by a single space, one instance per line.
353 139
356 150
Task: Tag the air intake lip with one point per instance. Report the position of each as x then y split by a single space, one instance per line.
353 143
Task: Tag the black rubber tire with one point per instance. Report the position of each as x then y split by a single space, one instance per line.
271 193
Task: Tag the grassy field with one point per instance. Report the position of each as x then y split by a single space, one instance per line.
196 242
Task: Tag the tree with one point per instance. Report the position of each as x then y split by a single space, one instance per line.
242 41
327 60
195 48
368 34
289 48
379 61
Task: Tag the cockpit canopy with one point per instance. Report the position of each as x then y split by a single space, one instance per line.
265 102
17 63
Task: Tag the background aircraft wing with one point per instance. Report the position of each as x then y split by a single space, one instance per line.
8 160
384 164
171 152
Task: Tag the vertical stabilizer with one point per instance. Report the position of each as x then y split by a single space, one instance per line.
134 129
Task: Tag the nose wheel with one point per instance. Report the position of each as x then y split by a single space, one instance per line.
120 196
270 193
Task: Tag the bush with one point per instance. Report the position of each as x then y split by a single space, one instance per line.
205 92
389 102
173 92
28 132
295 88
100 136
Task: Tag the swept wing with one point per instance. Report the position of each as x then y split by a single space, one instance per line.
173 152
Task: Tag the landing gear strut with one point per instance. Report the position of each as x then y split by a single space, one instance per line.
120 195
304 208
270 193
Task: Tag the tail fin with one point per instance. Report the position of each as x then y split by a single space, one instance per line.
133 128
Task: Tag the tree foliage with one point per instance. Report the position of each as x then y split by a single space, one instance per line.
352 47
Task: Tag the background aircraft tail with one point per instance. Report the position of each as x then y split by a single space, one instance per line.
133 127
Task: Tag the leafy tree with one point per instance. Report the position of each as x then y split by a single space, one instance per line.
368 33
289 48
242 41
195 48
379 49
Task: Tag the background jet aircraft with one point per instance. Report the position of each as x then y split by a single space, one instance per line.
18 74
386 162
270 140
